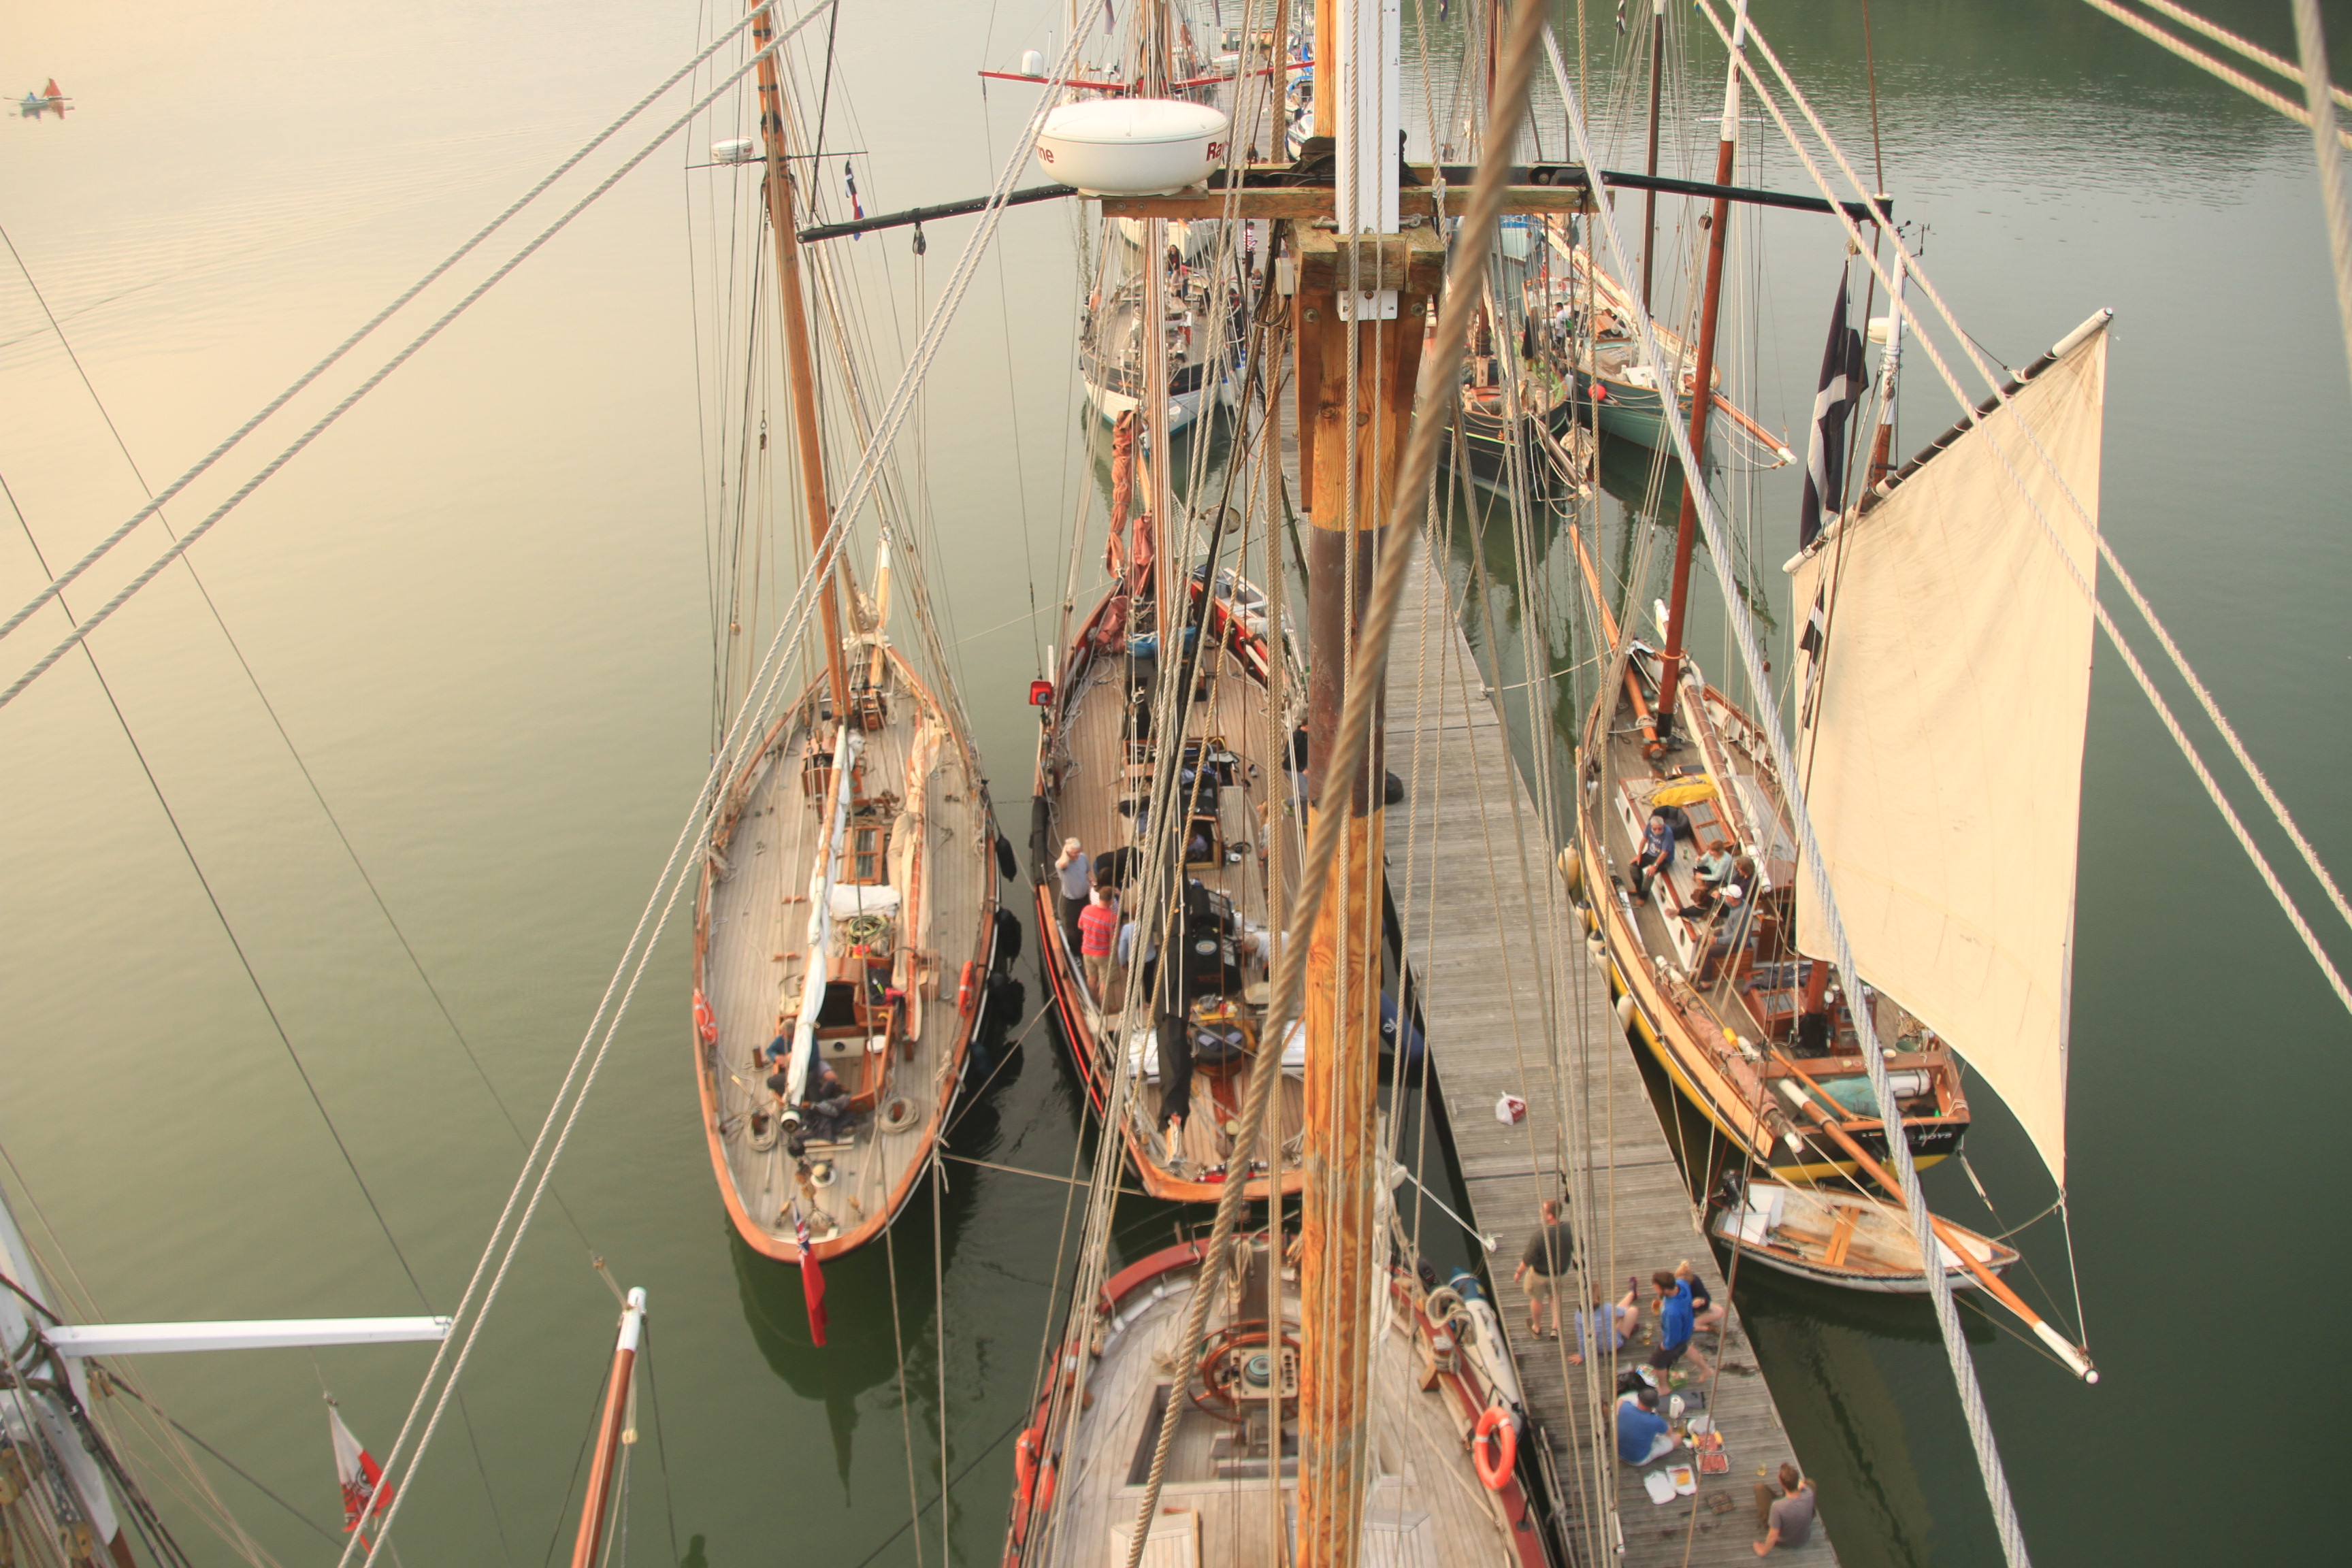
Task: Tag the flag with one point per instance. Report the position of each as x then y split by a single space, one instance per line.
1840 388
364 1491
1813 643
850 178
812 1277
1108 19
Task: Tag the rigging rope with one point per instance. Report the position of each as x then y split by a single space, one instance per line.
2212 66
1917 272
674 873
157 502
1441 364
2313 44
181 546
1939 1290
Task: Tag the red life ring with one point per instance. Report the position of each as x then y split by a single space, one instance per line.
1494 1423
964 990
706 1021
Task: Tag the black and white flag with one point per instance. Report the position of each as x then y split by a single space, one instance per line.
1813 643
1842 383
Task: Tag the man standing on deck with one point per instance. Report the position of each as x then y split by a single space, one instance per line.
1542 1266
1675 1325
1076 869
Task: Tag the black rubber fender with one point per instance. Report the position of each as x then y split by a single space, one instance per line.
1009 935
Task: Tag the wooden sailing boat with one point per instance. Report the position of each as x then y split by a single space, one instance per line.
1123 776
845 926
1712 984
1847 1240
1261 1400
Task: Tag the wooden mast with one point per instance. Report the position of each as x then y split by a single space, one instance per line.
597 1503
1362 295
1702 396
798 361
1649 197
1882 441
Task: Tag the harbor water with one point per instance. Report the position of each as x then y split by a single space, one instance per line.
481 609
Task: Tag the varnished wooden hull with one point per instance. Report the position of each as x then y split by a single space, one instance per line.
1852 1242
964 927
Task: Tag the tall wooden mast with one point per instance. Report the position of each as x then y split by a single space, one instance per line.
1702 393
800 362
1649 197
1362 293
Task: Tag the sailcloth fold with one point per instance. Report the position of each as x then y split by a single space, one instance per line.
1946 681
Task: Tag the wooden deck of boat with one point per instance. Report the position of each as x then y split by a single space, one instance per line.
1508 1011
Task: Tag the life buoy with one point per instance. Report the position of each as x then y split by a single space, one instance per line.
1046 1485
969 984
1025 1477
1494 1423
706 1021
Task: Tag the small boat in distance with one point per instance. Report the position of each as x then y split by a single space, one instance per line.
1844 1238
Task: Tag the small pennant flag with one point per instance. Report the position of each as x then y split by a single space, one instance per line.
812 1277
1840 388
362 1479
850 178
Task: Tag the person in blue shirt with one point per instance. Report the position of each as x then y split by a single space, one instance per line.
1606 1327
1658 852
1675 1327
1642 1434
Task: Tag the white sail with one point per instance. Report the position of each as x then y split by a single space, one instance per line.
1941 748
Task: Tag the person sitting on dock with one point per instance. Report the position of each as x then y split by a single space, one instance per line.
1098 935
1786 1517
1658 852
1641 1432
1675 1330
1542 1266
1714 870
1607 1327
1707 1312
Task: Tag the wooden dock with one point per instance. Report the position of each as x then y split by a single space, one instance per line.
1514 1003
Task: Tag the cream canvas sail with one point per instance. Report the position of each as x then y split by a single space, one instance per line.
1940 720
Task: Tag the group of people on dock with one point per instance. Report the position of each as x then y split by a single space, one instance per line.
1685 1307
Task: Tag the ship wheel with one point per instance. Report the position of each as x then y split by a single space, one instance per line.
1239 1364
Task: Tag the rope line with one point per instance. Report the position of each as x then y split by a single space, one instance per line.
1939 1290
2208 64
658 908
157 502
180 548
2212 710
2313 44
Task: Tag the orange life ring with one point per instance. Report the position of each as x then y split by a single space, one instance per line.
706 1021
1025 1476
964 990
1494 1423
1046 1485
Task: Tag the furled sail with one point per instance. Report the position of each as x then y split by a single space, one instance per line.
1941 720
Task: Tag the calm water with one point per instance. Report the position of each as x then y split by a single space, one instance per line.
480 606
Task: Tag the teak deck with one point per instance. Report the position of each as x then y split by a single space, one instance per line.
1469 862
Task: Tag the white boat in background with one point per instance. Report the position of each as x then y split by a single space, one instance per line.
1845 1239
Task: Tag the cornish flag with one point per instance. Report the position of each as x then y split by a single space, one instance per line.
1840 388
812 1277
364 1491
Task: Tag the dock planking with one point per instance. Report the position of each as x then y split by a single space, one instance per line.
1512 1003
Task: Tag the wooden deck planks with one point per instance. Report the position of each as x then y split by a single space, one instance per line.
1508 1012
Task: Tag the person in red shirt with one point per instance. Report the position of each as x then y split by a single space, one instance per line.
1097 941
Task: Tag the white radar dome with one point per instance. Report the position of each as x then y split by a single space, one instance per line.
1132 146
